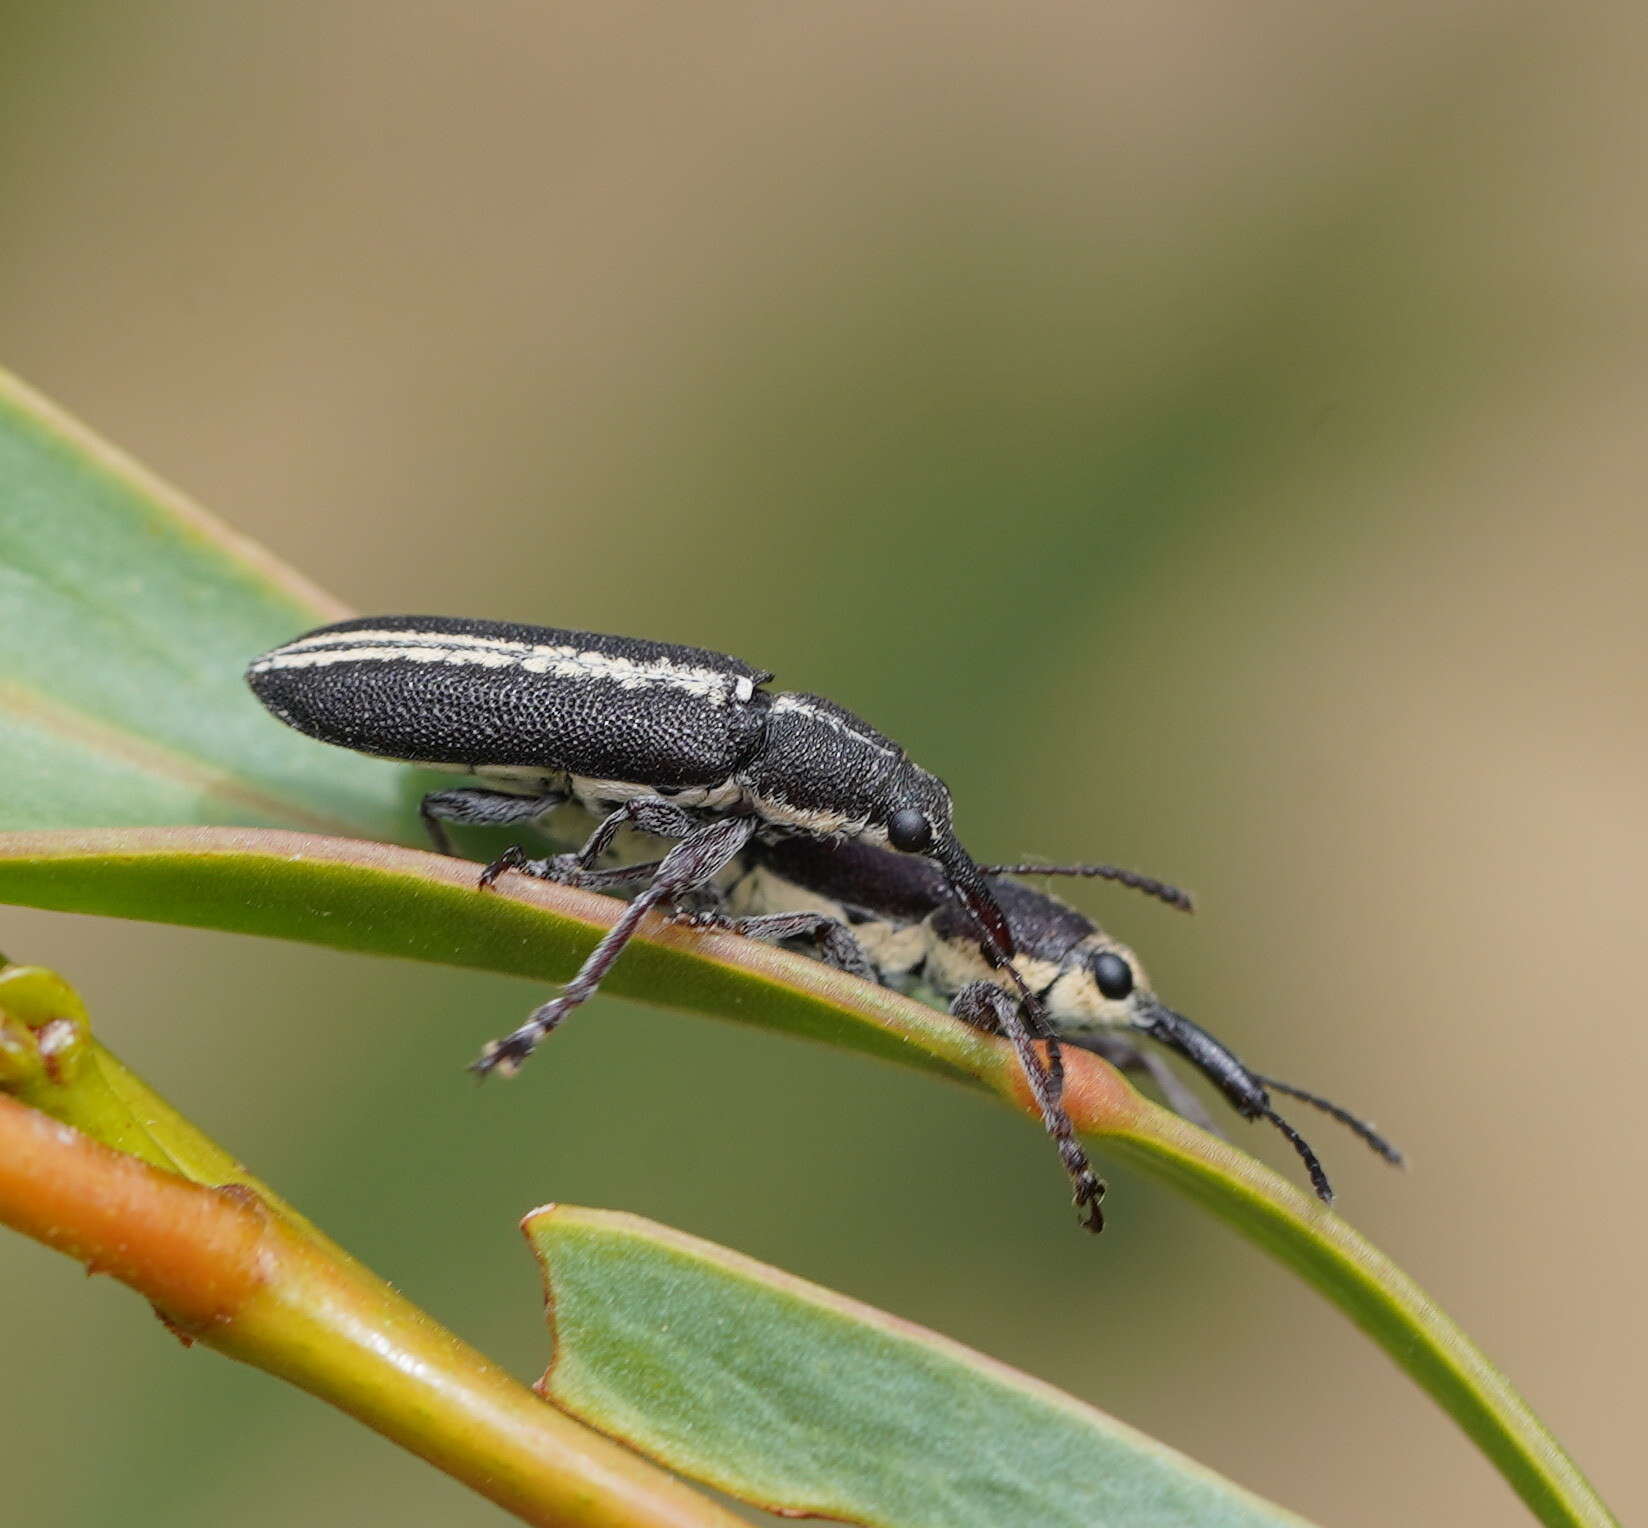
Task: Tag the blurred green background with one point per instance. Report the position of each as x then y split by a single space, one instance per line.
1209 436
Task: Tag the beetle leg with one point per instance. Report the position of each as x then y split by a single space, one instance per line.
482 808
986 1006
834 939
650 814
696 859
565 870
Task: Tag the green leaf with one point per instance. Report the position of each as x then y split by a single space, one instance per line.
391 901
804 1402
127 617
384 900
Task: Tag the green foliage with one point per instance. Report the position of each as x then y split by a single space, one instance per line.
126 619
804 1402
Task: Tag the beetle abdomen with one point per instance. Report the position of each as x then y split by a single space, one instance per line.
444 690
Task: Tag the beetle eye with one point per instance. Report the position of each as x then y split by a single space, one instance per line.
1113 974
909 830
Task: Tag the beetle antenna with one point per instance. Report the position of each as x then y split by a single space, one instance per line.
1148 884
1358 1127
1318 1178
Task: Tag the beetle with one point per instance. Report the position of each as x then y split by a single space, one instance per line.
676 741
892 920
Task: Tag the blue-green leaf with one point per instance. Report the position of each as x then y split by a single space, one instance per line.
804 1402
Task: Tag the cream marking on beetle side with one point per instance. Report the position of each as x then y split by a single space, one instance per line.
596 795
726 797
464 650
1075 1001
819 821
512 779
603 796
896 949
951 965
757 892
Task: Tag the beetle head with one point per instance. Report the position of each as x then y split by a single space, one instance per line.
1105 987
915 819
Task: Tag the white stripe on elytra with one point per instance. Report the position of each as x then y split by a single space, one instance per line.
744 686
420 636
464 650
794 703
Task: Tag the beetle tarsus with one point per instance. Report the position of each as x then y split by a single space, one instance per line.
506 1056
986 1006
513 858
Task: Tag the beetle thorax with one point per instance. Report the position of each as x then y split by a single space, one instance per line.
824 771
